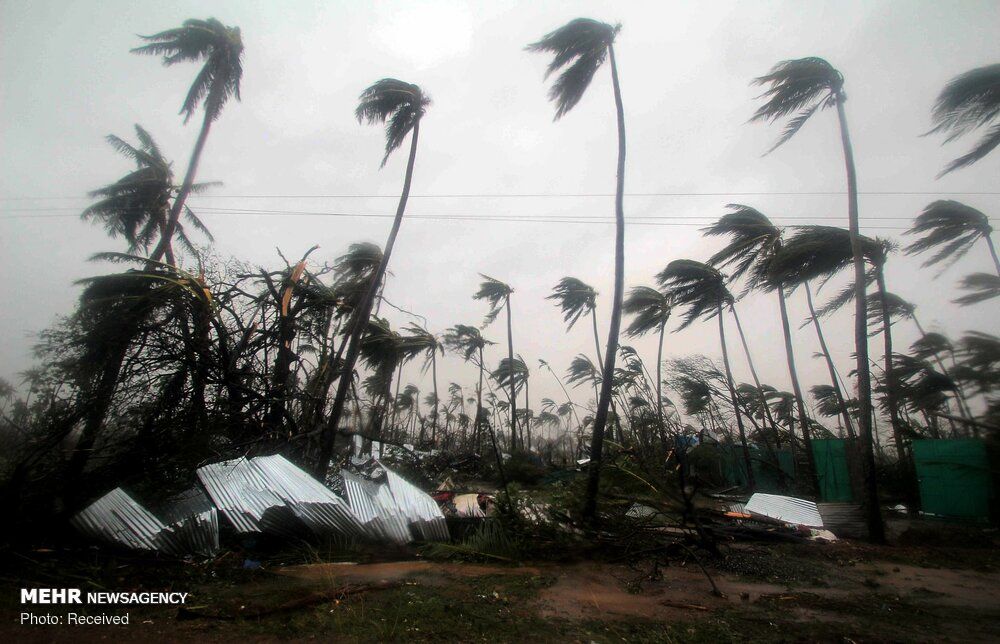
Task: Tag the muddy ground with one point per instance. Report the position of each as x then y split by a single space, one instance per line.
841 592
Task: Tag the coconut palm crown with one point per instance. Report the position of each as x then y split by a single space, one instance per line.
579 48
697 286
221 48
397 104
754 242
968 102
949 227
575 298
800 87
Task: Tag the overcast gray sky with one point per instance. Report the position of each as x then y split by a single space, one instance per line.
67 80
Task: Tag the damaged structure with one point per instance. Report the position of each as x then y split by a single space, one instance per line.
266 495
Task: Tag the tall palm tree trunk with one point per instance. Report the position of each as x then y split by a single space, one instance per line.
889 372
604 402
163 246
479 406
733 398
876 529
434 376
361 321
513 392
753 371
834 377
993 253
796 388
659 378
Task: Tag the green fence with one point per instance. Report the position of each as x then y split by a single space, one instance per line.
769 475
832 471
954 477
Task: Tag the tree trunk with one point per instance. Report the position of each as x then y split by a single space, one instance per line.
182 195
834 378
734 399
513 391
797 389
479 406
993 253
659 378
434 376
604 402
876 529
753 370
359 324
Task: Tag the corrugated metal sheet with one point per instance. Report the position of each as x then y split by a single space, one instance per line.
418 507
190 524
376 509
270 494
785 508
119 519
467 505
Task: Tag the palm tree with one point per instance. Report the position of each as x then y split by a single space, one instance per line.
497 294
468 341
701 289
137 206
512 375
969 102
952 228
754 241
420 340
221 48
401 106
576 298
802 87
651 309
981 287
579 48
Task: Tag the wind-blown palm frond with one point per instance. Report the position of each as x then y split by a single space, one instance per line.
506 372
580 46
949 226
495 293
819 253
420 340
575 298
968 102
361 260
754 241
221 48
397 104
982 287
800 86
650 307
582 370
466 340
930 345
136 206
696 286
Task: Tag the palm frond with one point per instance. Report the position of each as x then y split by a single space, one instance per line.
650 307
575 298
969 101
579 48
982 287
697 287
949 226
397 104
799 87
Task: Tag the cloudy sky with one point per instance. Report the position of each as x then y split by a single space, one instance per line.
487 141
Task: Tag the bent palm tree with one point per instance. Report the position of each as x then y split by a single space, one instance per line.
498 295
576 298
423 341
468 341
221 48
651 309
969 102
952 228
802 87
401 106
754 243
702 290
579 48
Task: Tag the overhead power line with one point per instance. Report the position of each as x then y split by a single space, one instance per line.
562 195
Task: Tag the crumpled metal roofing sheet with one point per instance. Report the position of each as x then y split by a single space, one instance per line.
119 519
418 507
190 525
376 509
270 494
785 508
467 505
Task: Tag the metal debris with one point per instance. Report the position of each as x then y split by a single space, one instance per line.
375 509
191 526
270 494
418 507
785 508
467 505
